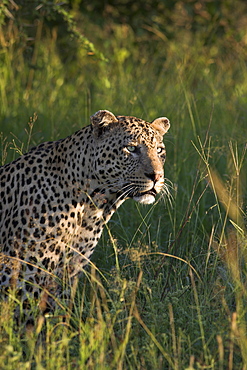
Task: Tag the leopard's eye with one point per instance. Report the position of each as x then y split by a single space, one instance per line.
131 148
160 150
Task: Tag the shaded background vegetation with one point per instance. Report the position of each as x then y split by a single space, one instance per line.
62 61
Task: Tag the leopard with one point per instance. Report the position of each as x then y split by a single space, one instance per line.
57 198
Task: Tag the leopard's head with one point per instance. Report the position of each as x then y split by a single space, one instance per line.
129 155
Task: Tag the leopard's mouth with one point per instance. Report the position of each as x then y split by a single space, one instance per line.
141 196
146 197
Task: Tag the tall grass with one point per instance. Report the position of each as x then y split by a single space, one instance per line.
169 290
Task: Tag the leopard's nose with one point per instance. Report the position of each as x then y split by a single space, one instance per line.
154 176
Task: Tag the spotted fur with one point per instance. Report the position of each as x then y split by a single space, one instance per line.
56 199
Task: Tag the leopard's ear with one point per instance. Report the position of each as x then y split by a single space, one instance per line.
161 124
101 121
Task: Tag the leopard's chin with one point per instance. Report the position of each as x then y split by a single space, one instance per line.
145 198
